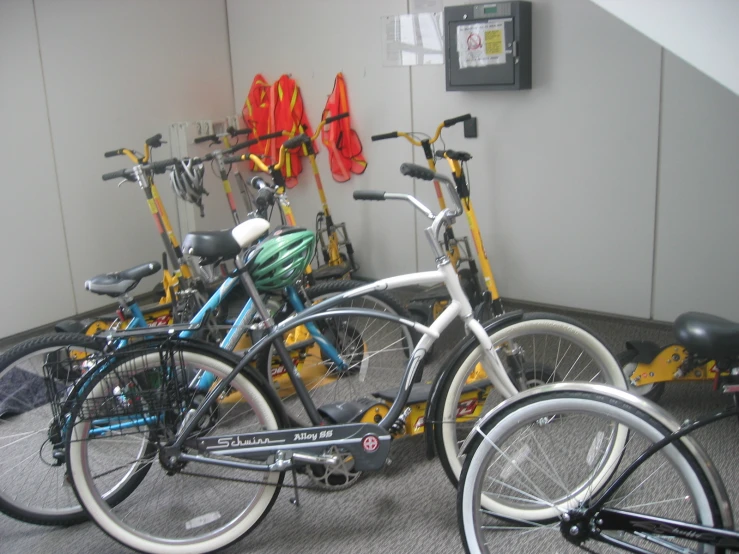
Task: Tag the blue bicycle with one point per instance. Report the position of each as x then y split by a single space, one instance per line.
41 377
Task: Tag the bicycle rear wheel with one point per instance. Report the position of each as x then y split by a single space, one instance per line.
550 452
186 507
376 351
36 377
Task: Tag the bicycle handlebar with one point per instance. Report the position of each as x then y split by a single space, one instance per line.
384 136
293 142
297 140
239 146
455 120
335 117
154 167
152 142
426 174
432 140
160 167
417 172
207 138
369 195
457 155
155 141
120 174
233 131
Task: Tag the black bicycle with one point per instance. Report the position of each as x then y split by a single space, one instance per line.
553 463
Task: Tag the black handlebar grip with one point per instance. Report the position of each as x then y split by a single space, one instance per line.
455 120
417 172
238 147
269 136
296 141
232 159
206 138
120 174
337 117
369 195
394 134
155 141
233 131
160 167
112 153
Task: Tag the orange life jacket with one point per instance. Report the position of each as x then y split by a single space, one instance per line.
256 114
287 113
343 145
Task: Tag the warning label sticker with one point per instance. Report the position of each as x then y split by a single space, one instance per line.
481 44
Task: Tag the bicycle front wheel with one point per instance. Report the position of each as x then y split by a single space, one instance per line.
546 455
187 507
536 350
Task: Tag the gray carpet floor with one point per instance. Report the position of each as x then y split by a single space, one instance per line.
409 506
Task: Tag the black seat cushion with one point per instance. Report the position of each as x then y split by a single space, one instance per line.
140 271
211 244
121 282
708 335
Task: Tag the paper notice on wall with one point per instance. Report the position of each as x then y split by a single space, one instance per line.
481 44
427 6
414 39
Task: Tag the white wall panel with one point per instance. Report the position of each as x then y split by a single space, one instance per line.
701 33
35 278
697 254
116 73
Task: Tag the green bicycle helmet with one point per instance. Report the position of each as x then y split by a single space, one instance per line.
281 259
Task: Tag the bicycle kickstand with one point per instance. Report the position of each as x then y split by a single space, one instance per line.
296 500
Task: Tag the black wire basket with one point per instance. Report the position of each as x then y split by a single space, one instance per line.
137 389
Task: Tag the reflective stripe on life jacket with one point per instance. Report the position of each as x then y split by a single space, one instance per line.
343 144
256 114
287 113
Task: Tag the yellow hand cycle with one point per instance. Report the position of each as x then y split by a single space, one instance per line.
180 278
332 236
457 248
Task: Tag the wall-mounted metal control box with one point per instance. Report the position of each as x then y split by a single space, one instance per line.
488 46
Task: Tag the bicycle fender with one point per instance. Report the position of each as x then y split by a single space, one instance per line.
451 362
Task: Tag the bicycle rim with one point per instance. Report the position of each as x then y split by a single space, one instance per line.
189 509
375 352
546 350
540 459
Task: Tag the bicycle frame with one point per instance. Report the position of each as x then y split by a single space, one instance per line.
182 271
621 520
272 442
593 518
